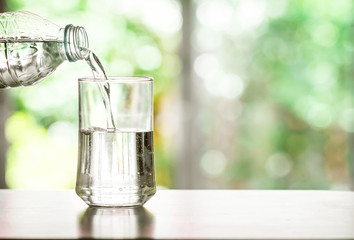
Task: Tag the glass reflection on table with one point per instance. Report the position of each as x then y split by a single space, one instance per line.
100 222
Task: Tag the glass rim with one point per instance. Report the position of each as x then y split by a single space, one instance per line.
125 79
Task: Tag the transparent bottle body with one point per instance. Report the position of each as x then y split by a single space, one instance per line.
32 47
27 63
116 161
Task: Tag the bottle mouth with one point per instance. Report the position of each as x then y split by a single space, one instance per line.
76 43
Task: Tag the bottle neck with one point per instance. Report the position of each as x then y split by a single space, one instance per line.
75 43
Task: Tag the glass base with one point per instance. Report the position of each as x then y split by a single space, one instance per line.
113 199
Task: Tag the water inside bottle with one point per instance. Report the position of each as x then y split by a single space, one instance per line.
25 62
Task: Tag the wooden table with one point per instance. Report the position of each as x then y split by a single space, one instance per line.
181 214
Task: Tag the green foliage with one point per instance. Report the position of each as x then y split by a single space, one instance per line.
289 127
301 65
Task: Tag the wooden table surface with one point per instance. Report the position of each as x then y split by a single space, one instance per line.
181 214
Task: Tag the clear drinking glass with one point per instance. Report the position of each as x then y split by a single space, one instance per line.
116 147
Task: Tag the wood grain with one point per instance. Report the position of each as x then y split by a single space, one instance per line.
181 214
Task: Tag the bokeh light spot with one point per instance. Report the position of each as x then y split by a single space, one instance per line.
250 14
162 15
206 65
346 120
216 14
213 163
325 34
279 165
148 57
230 86
319 115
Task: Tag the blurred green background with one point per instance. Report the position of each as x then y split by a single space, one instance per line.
254 94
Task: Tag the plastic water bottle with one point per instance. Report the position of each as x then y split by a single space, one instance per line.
32 47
